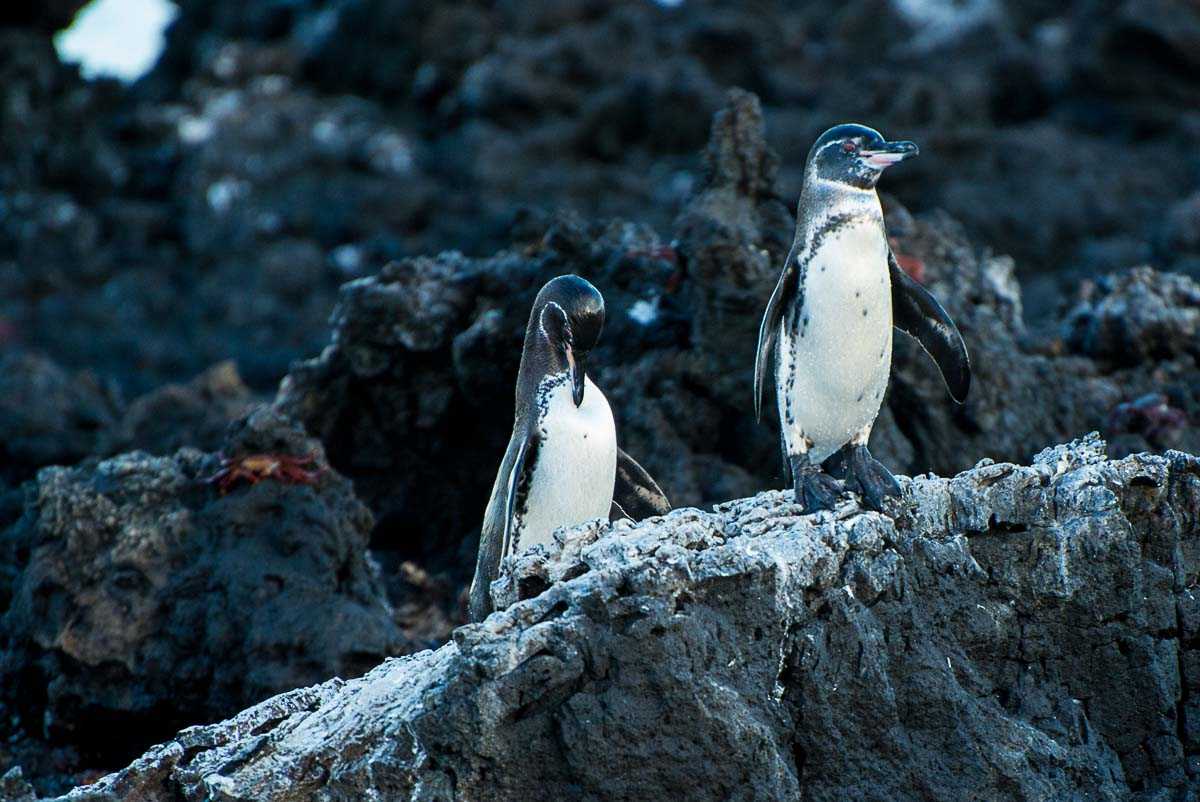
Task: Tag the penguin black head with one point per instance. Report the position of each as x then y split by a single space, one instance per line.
569 314
856 155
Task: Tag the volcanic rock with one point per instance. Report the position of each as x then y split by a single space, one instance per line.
150 595
1013 633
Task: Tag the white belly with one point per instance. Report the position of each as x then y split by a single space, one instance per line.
576 466
835 350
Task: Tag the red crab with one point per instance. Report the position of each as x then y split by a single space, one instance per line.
253 468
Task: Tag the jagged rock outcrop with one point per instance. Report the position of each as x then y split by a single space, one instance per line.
733 238
145 598
1012 633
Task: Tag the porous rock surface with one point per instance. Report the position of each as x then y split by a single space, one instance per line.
1014 632
145 598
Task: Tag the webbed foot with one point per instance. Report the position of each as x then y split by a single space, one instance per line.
871 478
815 489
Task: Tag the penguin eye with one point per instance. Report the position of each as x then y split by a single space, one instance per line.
849 147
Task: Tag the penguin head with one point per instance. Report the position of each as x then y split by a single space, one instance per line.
569 313
856 155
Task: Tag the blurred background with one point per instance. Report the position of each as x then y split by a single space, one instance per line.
321 222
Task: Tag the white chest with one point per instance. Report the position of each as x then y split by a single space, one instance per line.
835 345
576 463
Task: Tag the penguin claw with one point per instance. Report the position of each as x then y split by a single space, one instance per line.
817 490
872 479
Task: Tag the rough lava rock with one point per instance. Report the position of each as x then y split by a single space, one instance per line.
1056 131
283 147
1013 633
1138 316
732 240
148 599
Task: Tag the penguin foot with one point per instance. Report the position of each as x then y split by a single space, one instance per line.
872 479
815 489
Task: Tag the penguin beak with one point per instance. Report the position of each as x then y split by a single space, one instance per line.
575 365
888 154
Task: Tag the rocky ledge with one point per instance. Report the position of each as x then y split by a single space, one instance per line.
1014 632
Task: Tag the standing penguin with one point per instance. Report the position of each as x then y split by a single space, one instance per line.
562 466
830 320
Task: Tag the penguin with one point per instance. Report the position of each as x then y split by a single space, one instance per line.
562 465
830 321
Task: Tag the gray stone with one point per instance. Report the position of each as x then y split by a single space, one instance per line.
1000 638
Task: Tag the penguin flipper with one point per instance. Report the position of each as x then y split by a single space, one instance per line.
768 330
635 494
496 533
918 314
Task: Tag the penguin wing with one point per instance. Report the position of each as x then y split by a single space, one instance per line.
768 330
636 495
919 315
496 532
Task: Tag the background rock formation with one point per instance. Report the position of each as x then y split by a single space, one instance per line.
149 599
1015 633
285 148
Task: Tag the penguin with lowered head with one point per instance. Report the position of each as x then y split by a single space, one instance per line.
562 465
